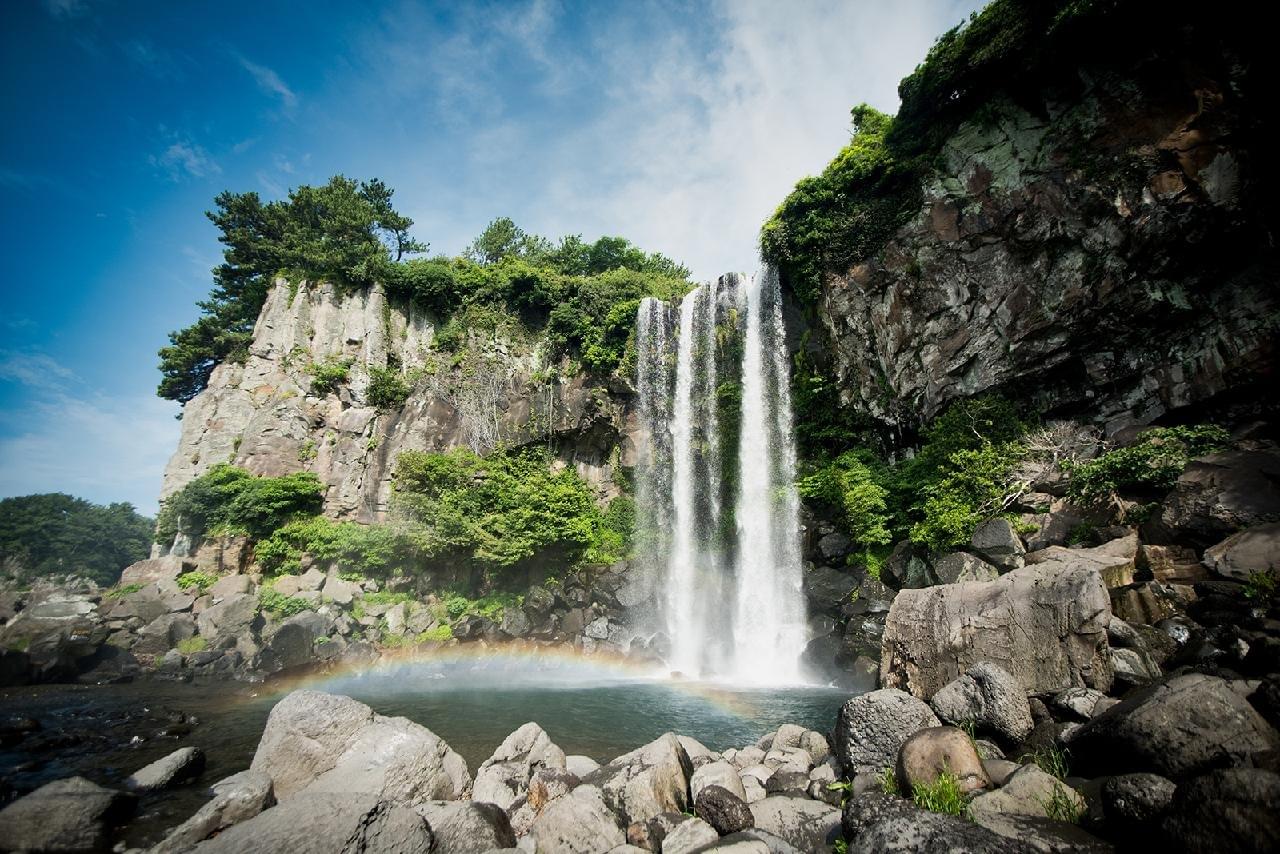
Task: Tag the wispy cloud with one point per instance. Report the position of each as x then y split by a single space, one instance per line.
33 369
66 8
185 159
154 60
269 81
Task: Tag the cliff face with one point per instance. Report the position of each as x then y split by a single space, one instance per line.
1102 250
497 391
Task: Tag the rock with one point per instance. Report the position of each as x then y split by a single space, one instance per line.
182 766
466 827
961 566
339 591
753 789
322 743
876 823
580 766
1227 811
787 782
688 836
834 546
504 777
230 620
826 587
724 810
230 585
1027 791
907 567
578 823
648 835
1114 560
930 636
999 770
789 759
1221 493
871 729
815 744
996 541
1179 727
989 697
1082 704
235 799
1036 834
1133 667
1253 550
748 756
716 774
153 571
164 633
929 753
65 815
647 781
697 752
1136 798
292 643
322 822
1170 564
805 825
515 623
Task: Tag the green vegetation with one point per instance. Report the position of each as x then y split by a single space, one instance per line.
123 591
1061 806
943 795
192 645
491 606
1150 465
1053 761
503 509
1260 584
274 602
230 498
372 549
873 186
56 534
888 780
326 376
387 388
196 582
348 233
849 485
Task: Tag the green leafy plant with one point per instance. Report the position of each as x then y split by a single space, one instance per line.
326 376
943 795
273 602
439 634
192 645
387 388
196 581
888 780
1151 465
1061 806
123 590
850 484
1260 584
232 498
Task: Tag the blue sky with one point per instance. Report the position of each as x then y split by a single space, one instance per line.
678 125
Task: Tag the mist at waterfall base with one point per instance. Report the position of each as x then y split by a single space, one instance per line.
717 510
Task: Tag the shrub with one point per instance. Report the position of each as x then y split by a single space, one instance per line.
123 591
326 376
1260 584
387 389
199 581
439 634
376 549
1150 465
943 795
192 645
274 602
232 498
850 485
974 487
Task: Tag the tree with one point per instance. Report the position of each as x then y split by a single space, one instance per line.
502 239
57 534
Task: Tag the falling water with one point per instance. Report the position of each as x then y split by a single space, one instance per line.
731 600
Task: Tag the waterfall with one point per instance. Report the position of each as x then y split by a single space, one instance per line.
730 599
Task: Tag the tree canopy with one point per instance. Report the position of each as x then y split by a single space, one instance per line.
58 534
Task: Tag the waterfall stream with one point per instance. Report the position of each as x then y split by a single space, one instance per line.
722 543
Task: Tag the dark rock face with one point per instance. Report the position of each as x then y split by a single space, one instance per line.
1071 252
66 815
874 822
1233 811
1222 493
723 810
1136 798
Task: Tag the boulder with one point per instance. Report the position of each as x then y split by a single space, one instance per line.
1029 833
996 541
961 566
716 774
787 782
152 571
871 729
323 743
229 621
504 777
988 696
929 753
466 827
876 823
65 815
1114 560
580 766
1082 704
1136 798
1133 667
326 823
1229 811
1221 493
804 824
826 587
1046 627
1253 550
579 823
1170 564
647 781
725 811
1177 728
690 835
699 754
1027 791
164 633
182 766
230 585
235 799
834 546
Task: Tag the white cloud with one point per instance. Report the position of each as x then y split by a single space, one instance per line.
184 158
99 448
32 369
269 82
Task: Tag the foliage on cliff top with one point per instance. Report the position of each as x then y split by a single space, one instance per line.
232 498
873 186
348 233
57 534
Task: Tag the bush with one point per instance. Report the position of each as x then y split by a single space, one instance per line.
192 645
943 795
849 485
974 487
387 389
1150 466
373 549
328 375
274 602
197 582
439 634
232 498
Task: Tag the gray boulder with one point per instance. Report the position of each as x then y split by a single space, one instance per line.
961 566
650 780
579 823
834 546
804 824
996 541
504 777
1136 798
875 823
235 799
65 815
1031 833
580 766
1253 550
1221 493
181 766
723 810
826 587
1082 704
871 729
690 835
1232 811
1028 791
326 823
1176 728
229 621
319 742
1045 628
988 696
715 774
466 827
